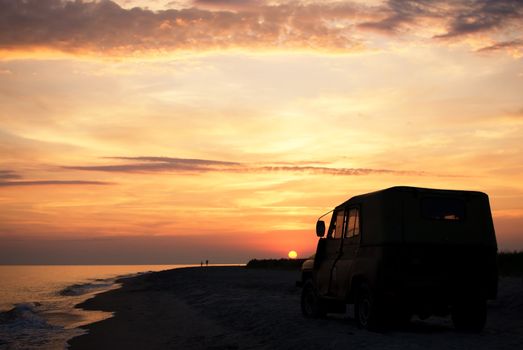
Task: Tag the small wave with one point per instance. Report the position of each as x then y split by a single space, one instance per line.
23 328
85 288
127 275
24 315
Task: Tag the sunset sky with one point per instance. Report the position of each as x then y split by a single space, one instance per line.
175 131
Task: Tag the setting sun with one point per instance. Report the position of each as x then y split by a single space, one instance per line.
293 254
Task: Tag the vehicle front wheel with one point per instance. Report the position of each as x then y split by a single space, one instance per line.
470 316
366 310
311 305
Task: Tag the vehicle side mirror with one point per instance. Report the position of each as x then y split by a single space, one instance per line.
320 228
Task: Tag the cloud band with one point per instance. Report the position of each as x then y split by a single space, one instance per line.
105 28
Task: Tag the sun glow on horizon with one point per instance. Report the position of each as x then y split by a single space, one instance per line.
292 254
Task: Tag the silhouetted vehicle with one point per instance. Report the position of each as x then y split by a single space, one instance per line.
404 251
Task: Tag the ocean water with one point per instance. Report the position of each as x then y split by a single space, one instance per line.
37 302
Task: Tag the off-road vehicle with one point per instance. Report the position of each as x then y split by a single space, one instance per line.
405 251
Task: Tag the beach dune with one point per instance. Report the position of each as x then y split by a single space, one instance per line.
242 308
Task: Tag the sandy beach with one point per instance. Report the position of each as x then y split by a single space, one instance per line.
241 308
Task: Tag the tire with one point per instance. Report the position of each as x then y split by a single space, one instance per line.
366 309
469 316
311 305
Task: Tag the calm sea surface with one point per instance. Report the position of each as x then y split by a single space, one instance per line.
37 302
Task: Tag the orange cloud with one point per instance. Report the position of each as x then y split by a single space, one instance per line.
105 28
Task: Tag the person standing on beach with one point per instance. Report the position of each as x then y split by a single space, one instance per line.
206 262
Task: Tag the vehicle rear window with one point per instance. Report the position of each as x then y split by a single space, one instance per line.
439 208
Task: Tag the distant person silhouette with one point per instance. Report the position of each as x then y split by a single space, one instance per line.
206 262
201 263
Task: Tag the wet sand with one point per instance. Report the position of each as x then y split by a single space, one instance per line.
240 308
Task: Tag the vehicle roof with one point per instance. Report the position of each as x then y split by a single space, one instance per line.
399 189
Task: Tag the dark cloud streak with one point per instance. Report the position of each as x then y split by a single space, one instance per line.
481 16
336 171
505 45
7 180
160 164
51 183
397 15
461 18
8 174
172 160
181 165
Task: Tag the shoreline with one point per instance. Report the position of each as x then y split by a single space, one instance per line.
149 296
241 308
38 303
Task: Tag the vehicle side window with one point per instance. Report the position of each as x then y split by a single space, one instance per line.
443 208
340 220
353 227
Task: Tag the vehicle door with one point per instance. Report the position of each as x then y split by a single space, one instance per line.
349 248
331 248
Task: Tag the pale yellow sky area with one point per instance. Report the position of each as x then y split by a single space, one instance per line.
237 145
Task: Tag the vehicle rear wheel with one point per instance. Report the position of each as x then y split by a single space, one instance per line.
366 310
469 316
311 305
